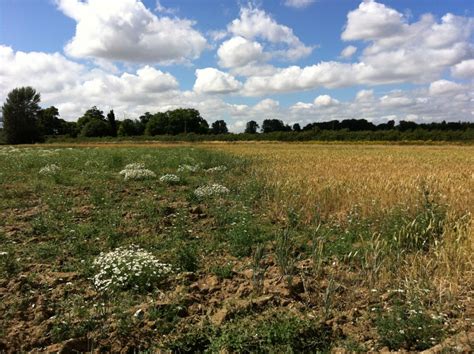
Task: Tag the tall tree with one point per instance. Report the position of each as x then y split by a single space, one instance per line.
112 123
219 127
49 121
251 127
20 116
274 125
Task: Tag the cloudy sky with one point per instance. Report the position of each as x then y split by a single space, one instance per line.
295 60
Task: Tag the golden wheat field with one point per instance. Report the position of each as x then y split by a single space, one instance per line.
336 181
334 178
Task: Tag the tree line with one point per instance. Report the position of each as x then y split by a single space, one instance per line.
24 121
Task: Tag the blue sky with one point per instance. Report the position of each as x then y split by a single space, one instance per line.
239 60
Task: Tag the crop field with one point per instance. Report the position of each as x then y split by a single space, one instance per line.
236 247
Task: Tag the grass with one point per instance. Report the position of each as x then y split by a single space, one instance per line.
314 247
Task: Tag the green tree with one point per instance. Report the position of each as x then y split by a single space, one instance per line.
93 123
96 128
274 125
178 121
20 116
112 122
49 121
219 127
251 127
129 127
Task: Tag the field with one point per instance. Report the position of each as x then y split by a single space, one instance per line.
287 248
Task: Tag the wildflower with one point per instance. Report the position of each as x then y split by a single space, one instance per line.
136 171
189 168
211 190
49 170
169 178
126 268
220 168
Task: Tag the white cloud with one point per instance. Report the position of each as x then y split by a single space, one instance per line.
45 72
211 80
371 21
396 52
325 101
238 52
255 23
444 87
348 51
365 96
396 99
298 4
464 69
163 9
267 105
127 31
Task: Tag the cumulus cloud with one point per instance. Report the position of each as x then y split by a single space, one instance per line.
348 51
443 87
396 99
45 72
127 31
365 96
396 52
238 52
211 80
325 101
298 4
257 24
464 69
371 21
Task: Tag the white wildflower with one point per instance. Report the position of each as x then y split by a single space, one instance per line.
211 190
188 168
136 171
126 268
49 170
135 166
220 168
169 178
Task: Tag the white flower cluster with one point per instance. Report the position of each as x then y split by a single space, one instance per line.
49 170
129 268
220 168
169 178
136 171
135 166
211 190
189 168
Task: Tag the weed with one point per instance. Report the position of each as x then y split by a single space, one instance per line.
408 327
284 256
187 258
258 268
223 271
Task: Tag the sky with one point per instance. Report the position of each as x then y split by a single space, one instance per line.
300 61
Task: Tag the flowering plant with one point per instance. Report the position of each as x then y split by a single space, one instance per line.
220 168
169 178
129 268
136 171
211 190
49 170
